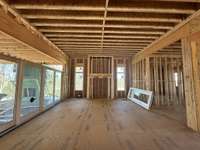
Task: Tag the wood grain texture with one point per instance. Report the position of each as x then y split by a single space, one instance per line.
101 125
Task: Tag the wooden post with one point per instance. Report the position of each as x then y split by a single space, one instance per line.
148 75
88 78
189 68
19 91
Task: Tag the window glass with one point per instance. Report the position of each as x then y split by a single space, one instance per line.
57 67
57 86
30 101
120 78
79 78
176 79
48 87
8 72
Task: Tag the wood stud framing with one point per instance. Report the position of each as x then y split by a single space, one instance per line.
158 75
105 33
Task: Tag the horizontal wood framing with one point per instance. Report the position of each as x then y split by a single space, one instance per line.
12 47
24 34
100 21
182 30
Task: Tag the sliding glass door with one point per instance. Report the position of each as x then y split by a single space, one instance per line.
52 87
30 99
49 88
57 86
8 73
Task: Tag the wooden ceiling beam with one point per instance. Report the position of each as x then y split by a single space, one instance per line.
129 41
145 19
100 8
130 26
126 26
15 26
98 40
152 10
107 36
95 46
58 7
97 43
99 31
180 31
109 18
44 24
142 41
61 36
130 37
189 1
135 32
69 31
104 22
62 17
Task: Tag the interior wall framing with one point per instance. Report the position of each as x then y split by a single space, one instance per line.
157 73
100 66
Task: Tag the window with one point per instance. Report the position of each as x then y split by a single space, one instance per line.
57 86
30 101
8 71
49 88
79 78
176 79
120 78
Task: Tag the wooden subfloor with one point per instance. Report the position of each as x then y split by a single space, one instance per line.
101 125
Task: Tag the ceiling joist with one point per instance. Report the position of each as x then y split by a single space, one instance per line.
106 24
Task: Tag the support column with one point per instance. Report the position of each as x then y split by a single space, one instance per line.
148 75
191 82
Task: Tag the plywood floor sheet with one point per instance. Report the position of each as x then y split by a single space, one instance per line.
101 125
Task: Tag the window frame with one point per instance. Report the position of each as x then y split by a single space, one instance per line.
75 77
13 122
124 72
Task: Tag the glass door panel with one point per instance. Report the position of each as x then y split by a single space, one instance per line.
49 88
30 101
57 86
8 73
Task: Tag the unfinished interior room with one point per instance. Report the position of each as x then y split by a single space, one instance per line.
99 74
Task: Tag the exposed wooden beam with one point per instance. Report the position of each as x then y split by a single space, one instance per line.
58 7
189 1
62 36
96 46
99 31
17 26
126 26
120 18
151 10
97 43
130 26
104 22
98 40
129 40
179 32
69 31
62 17
106 36
100 8
44 24
145 19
